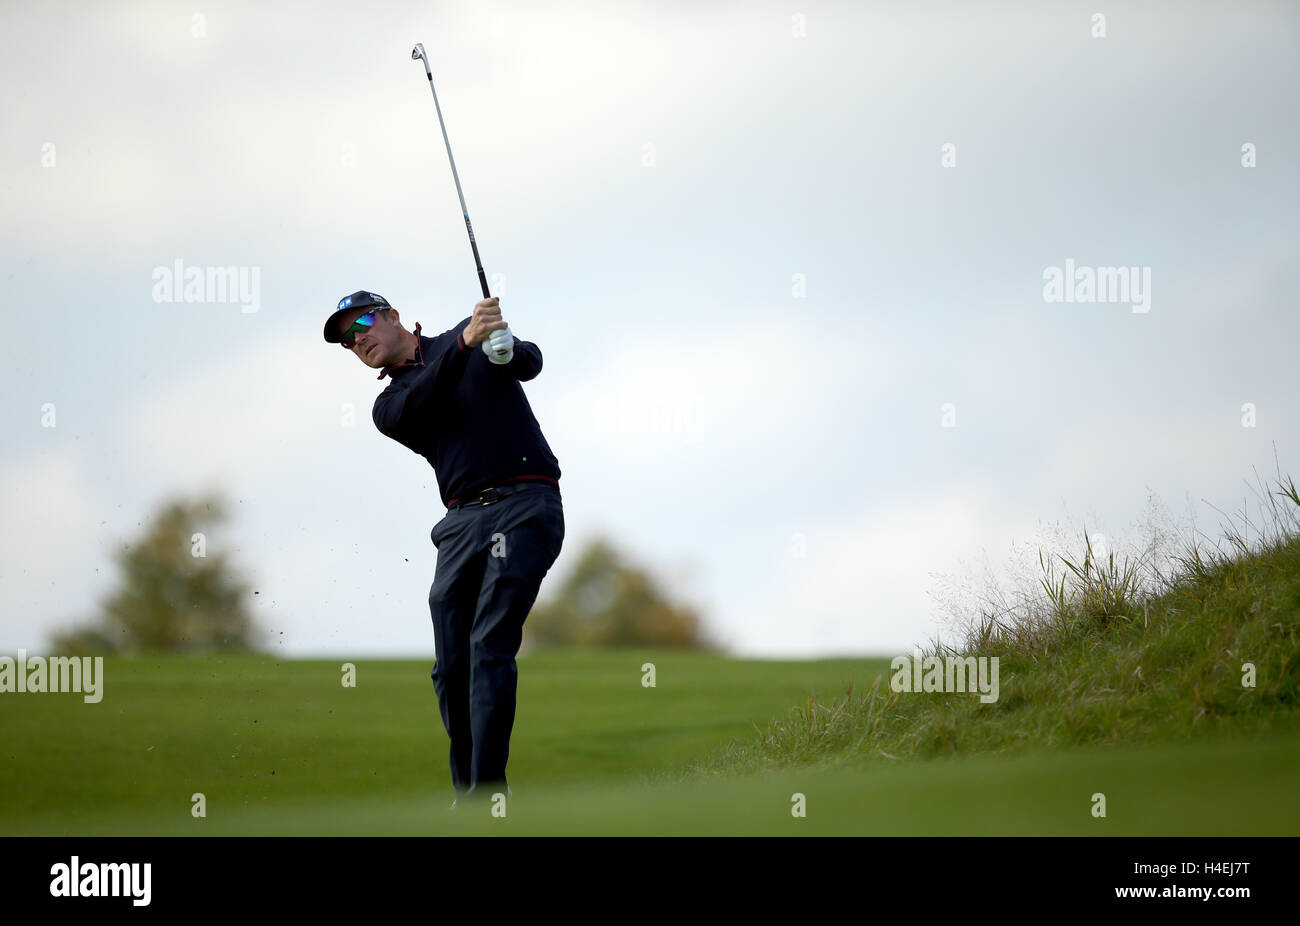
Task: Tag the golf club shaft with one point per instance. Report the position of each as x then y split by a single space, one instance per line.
418 52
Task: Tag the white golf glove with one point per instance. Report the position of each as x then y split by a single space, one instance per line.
500 346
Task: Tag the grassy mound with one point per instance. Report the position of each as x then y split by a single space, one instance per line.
1150 648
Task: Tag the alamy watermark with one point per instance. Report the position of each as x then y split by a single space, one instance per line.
948 674
1098 284
178 283
76 878
55 674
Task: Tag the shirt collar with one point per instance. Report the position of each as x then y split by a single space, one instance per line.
416 361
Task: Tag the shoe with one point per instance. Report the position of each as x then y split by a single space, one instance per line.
486 795
509 794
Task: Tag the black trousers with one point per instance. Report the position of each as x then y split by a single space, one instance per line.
491 562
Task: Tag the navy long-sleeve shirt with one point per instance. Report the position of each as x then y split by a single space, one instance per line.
466 415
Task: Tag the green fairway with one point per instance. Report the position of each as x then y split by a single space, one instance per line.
254 732
1199 789
284 748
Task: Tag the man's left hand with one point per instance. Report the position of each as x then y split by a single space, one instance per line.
500 346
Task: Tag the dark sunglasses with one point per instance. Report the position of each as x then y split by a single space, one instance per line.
362 323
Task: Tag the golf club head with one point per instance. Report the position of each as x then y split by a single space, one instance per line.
418 52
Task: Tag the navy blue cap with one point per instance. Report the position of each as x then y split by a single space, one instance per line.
359 300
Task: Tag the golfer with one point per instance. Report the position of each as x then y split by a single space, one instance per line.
463 409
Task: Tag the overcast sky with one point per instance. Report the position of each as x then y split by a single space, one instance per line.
786 264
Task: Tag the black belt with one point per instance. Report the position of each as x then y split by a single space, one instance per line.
494 494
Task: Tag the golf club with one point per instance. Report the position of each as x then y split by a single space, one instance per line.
503 334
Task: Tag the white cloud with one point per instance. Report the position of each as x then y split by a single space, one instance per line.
864 585
274 404
51 547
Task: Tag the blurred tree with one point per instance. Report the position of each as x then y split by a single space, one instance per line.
172 599
605 602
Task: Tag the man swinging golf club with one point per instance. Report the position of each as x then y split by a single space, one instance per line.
464 410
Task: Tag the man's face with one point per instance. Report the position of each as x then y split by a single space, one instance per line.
381 344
